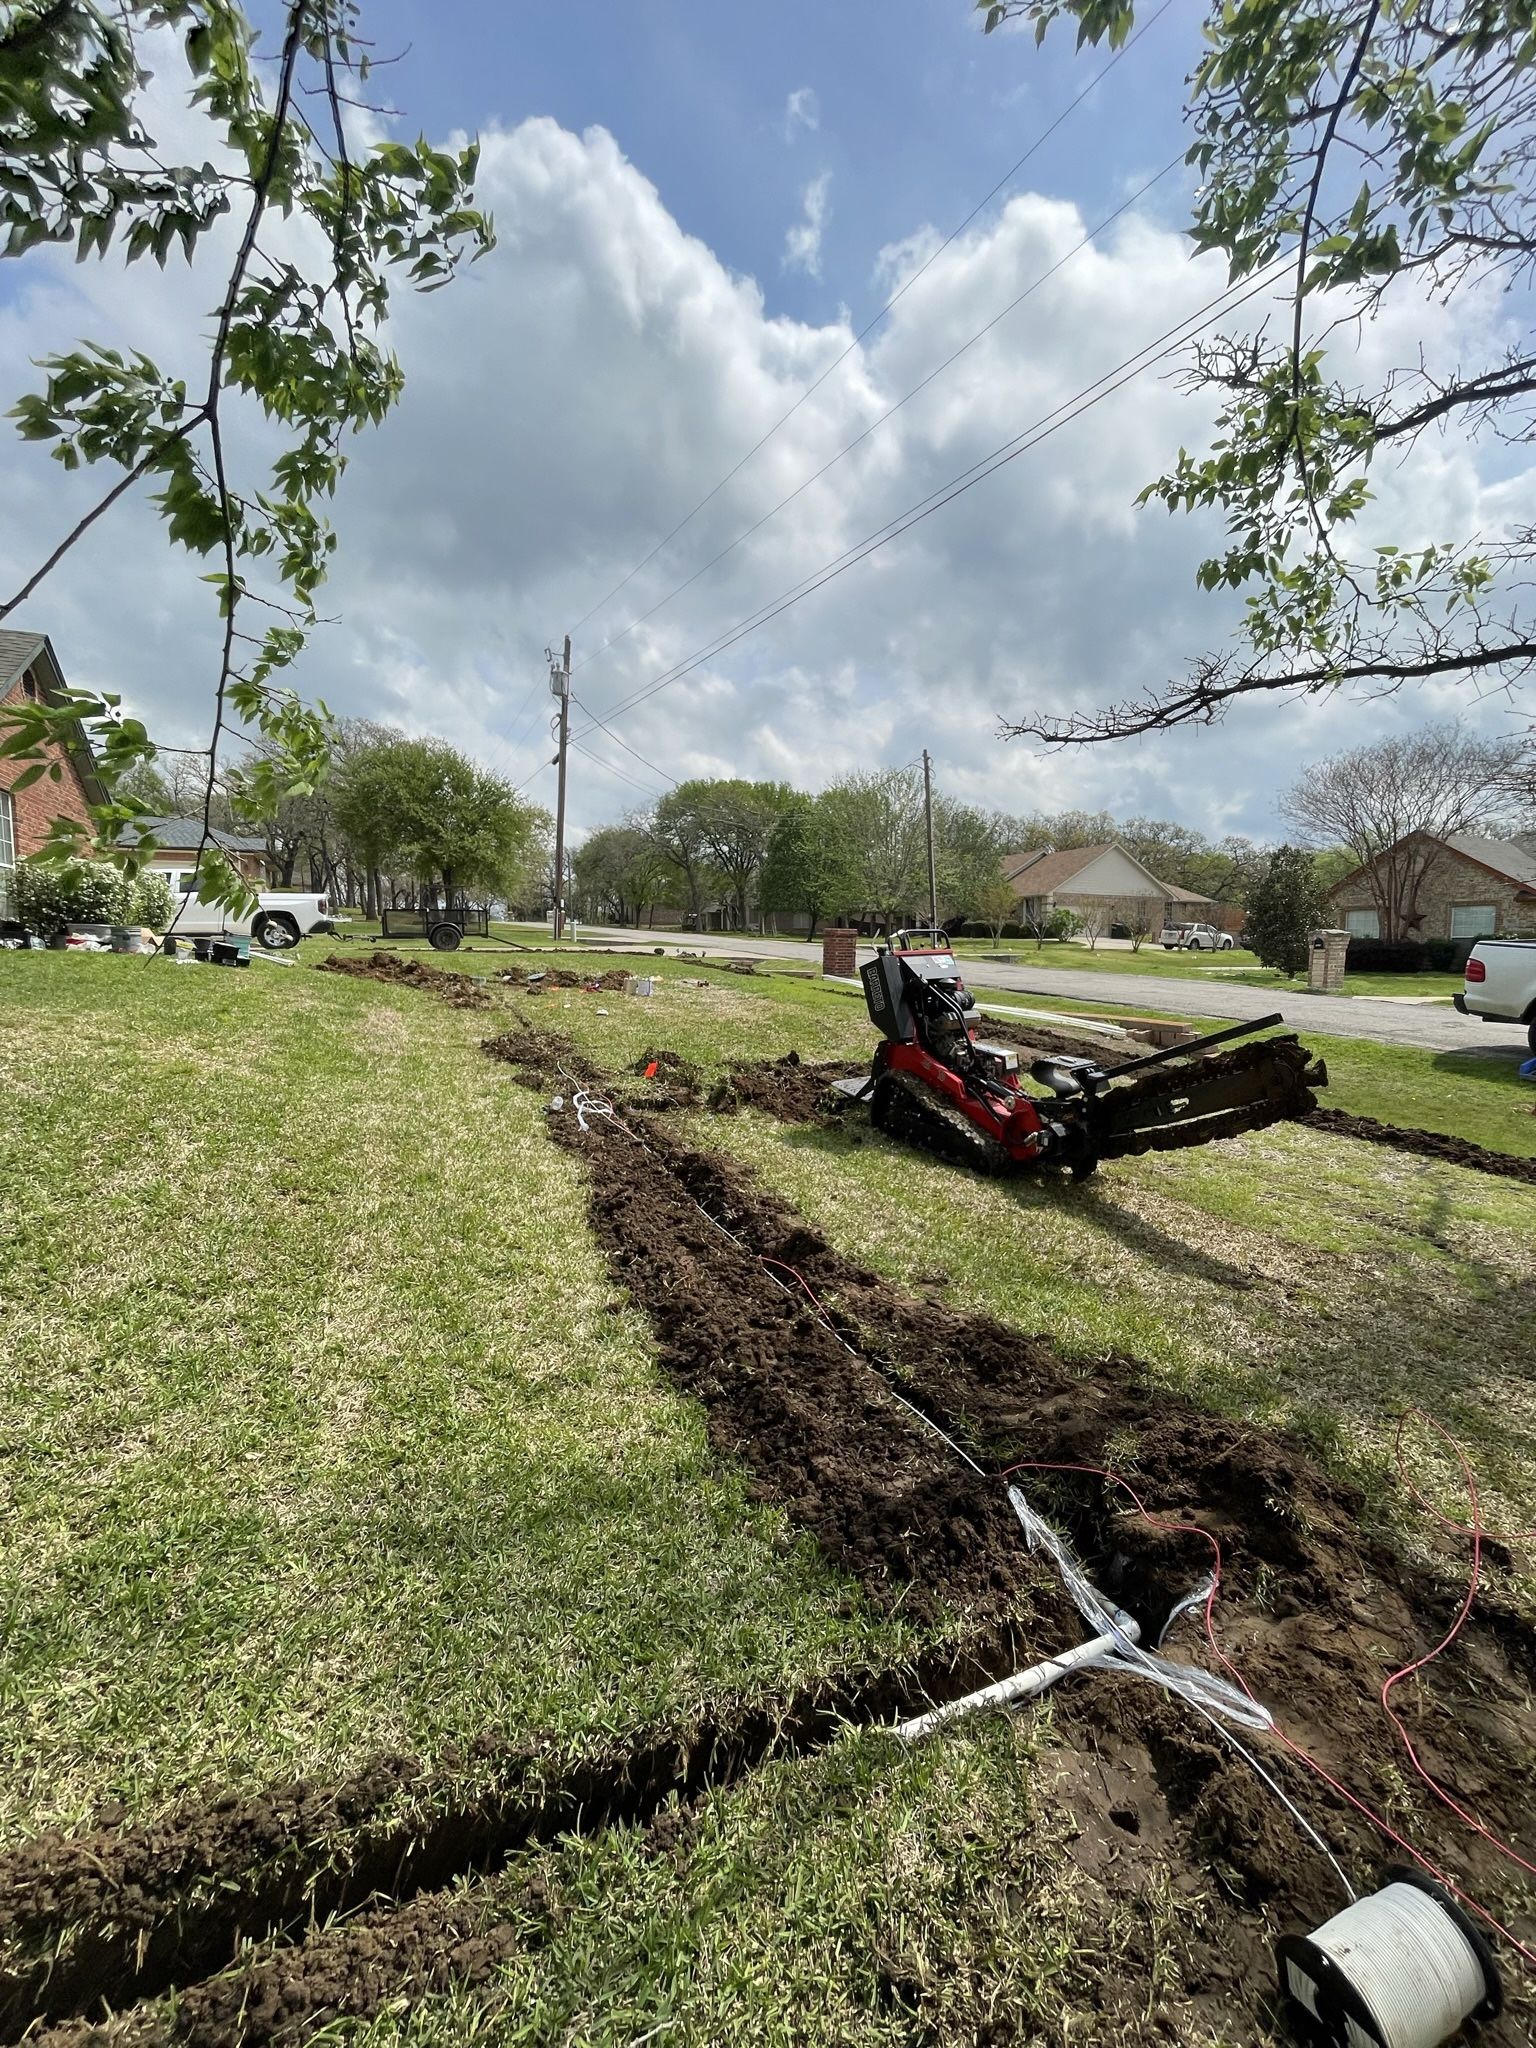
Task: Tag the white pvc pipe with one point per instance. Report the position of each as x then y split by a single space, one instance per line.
1024 1684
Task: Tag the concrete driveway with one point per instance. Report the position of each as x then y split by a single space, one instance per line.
1434 1027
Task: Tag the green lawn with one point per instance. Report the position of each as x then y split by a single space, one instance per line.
329 1435
322 1438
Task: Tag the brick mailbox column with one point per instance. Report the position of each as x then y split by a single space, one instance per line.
1325 961
840 951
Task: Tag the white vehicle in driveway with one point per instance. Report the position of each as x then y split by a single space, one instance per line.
281 918
1500 984
1195 938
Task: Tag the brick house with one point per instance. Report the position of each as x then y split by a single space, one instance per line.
30 672
1460 887
1081 878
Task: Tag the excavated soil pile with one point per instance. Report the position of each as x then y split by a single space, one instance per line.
463 991
671 1081
612 979
457 990
795 1091
1427 1144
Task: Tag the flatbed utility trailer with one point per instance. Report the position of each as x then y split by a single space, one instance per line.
442 926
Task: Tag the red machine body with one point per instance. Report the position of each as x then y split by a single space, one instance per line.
1009 1116
936 1084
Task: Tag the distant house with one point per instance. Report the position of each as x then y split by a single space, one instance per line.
176 854
1460 887
30 673
1078 877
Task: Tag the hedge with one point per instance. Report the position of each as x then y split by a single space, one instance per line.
1408 956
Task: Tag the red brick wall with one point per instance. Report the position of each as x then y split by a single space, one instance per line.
839 950
45 800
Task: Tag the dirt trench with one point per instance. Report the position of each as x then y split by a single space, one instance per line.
167 1908
1314 1609
460 990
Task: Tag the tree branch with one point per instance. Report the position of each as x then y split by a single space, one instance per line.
1206 697
1490 389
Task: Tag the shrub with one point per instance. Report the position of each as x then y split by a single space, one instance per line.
81 892
1285 907
1407 956
152 902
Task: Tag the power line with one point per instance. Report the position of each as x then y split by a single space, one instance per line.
609 769
832 461
1166 344
619 740
1039 142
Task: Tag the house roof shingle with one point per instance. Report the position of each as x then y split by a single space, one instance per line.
18 652
185 835
1047 869
1512 859
1504 856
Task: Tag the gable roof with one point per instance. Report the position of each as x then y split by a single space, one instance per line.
1044 872
1047 869
1512 860
185 835
18 653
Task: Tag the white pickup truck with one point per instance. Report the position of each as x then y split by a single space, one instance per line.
1501 984
281 918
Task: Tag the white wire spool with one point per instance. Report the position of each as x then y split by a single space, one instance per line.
1401 1968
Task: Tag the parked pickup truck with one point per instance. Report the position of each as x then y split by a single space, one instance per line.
1194 938
1501 984
281 918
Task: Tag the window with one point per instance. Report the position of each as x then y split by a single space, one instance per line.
1362 924
1473 920
7 851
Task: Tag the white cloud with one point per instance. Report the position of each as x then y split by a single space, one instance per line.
802 244
576 394
802 110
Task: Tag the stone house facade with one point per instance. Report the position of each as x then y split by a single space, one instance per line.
1463 887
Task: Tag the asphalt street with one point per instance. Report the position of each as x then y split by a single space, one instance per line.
1434 1027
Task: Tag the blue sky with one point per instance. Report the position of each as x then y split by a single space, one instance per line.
919 112
698 207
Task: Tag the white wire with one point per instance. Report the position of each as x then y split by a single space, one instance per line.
1187 1681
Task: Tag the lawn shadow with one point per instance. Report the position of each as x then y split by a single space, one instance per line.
1499 1063
1091 1201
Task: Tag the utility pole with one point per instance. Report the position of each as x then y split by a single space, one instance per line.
933 876
560 686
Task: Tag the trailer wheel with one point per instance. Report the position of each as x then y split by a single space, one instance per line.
444 938
1530 1035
